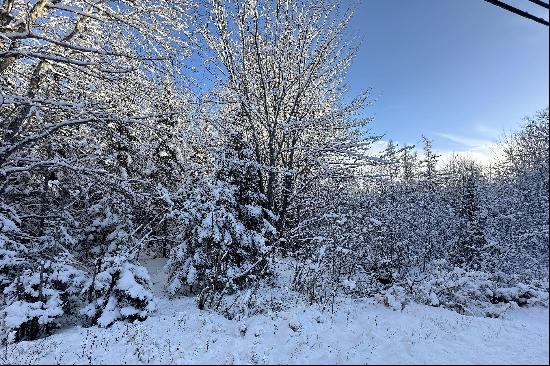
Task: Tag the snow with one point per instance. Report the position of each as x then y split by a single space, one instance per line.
434 300
254 210
191 275
20 312
356 331
6 224
110 314
127 281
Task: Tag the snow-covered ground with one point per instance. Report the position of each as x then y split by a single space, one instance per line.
358 331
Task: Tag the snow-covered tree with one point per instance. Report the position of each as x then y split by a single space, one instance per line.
226 231
517 199
87 89
279 70
470 241
42 295
120 288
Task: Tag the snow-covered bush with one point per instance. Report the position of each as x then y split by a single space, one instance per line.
39 292
272 294
327 273
475 292
395 298
348 253
119 290
41 298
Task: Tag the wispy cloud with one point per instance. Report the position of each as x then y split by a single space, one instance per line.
465 141
480 149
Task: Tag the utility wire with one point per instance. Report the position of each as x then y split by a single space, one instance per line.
517 11
541 3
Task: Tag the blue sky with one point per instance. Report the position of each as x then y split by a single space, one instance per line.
459 71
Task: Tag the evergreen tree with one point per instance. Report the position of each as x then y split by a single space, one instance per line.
471 240
226 245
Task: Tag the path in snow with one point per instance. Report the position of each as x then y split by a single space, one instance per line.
358 332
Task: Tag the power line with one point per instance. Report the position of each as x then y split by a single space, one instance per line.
541 3
517 11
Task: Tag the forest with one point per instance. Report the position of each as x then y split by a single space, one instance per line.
221 137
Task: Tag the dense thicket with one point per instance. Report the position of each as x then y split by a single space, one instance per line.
111 152
419 221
